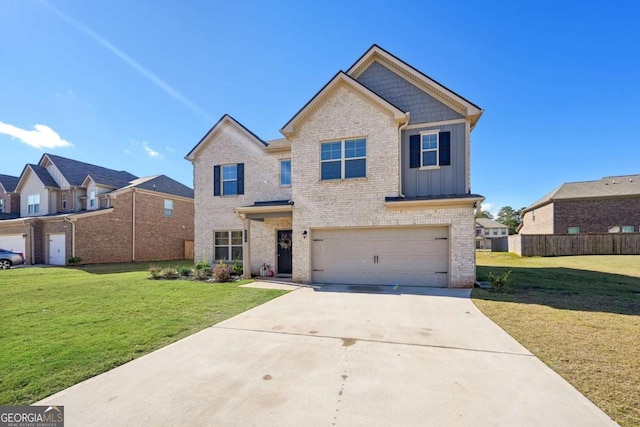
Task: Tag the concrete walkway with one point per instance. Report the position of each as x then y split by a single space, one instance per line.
336 357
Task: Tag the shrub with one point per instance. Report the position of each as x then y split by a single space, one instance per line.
74 260
237 268
221 272
202 265
183 270
202 273
169 273
499 283
155 271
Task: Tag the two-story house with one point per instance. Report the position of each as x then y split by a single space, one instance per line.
9 199
69 208
371 184
487 230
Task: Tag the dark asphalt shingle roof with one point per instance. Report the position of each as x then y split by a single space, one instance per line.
611 186
489 223
76 172
44 176
164 184
9 182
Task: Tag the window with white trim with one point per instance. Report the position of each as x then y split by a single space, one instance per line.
628 229
92 199
429 149
1 204
63 201
33 204
573 230
343 159
503 231
227 245
168 207
285 173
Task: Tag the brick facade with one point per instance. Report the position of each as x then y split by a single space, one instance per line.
596 215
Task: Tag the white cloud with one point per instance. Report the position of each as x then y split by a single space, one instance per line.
41 137
170 149
150 151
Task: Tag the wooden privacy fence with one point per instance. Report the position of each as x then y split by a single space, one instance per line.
574 244
188 249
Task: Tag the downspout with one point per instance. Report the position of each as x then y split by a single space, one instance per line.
133 224
31 243
72 221
400 171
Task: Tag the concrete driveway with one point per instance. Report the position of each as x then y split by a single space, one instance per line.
337 358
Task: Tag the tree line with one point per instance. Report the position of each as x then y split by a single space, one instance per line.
506 215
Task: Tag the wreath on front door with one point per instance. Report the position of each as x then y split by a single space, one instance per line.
285 241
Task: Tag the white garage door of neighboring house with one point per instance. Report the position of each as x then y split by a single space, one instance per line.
13 242
412 256
56 249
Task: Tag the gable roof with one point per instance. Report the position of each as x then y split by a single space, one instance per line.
339 80
417 78
75 172
611 186
489 223
9 183
42 174
161 184
225 119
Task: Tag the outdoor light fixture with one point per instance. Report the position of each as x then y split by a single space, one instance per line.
304 234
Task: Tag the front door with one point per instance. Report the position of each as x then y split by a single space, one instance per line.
285 243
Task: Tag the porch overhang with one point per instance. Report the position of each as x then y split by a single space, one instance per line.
261 210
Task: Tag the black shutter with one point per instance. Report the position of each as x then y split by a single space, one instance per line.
216 180
414 151
444 141
240 169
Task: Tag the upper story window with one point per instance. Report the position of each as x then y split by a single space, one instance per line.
228 180
573 230
495 231
628 229
343 159
33 204
285 173
1 205
63 201
430 149
503 231
92 199
168 207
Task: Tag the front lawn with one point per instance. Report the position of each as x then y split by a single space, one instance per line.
580 315
61 326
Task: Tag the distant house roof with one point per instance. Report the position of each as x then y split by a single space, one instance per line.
75 172
9 183
161 184
611 186
489 223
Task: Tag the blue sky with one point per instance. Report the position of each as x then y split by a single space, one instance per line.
134 85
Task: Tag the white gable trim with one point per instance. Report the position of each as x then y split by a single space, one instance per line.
342 80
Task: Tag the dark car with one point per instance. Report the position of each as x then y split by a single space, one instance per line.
9 258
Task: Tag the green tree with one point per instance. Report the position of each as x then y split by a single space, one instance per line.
484 214
509 217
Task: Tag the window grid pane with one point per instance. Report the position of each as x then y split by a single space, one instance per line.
331 150
285 172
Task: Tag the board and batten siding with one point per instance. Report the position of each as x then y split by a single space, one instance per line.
33 186
443 180
423 107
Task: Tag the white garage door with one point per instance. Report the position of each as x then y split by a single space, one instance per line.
415 256
12 242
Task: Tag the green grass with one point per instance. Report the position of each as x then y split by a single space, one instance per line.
580 315
61 326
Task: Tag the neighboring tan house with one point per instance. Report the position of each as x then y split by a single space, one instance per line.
609 205
371 184
487 230
74 209
9 199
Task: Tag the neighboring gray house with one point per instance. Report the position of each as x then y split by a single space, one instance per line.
609 205
487 230
371 184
